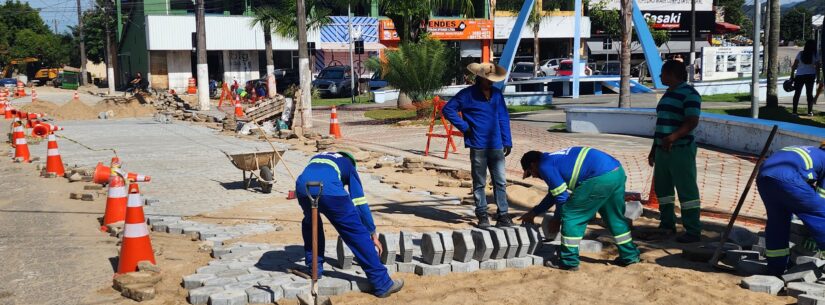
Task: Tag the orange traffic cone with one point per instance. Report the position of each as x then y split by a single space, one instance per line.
54 164
34 95
132 177
43 129
17 131
20 91
76 96
136 245
116 201
103 172
7 111
238 109
334 128
652 200
192 88
21 148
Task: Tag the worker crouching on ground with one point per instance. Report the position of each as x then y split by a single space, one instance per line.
349 214
791 181
582 181
673 155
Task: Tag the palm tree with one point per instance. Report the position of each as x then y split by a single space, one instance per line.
409 15
773 49
266 16
534 21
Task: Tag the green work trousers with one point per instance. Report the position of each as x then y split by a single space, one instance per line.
677 169
604 195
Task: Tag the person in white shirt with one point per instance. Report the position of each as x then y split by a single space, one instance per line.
806 65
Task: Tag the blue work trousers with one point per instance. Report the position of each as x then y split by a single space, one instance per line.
342 214
481 160
783 198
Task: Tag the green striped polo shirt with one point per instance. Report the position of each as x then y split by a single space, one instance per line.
677 104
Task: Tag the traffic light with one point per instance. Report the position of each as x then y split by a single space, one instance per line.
359 47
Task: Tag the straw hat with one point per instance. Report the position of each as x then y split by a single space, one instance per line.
492 72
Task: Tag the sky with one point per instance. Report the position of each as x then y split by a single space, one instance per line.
61 12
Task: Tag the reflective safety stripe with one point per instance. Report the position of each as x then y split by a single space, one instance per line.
117 192
693 204
52 152
327 162
571 242
559 190
810 176
821 192
809 163
778 252
359 201
133 230
622 239
20 141
578 167
134 201
667 200
334 121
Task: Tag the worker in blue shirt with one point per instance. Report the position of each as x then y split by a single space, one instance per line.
480 113
349 214
792 181
582 181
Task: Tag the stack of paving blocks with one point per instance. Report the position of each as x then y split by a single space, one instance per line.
205 231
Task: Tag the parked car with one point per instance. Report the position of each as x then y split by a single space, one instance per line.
377 82
335 81
549 66
566 69
285 78
611 68
522 71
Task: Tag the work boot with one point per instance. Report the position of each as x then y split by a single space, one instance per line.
623 263
396 287
688 238
504 220
483 220
555 264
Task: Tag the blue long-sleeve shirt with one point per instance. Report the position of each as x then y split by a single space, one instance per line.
336 171
487 120
797 163
564 170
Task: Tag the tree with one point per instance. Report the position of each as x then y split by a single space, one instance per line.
20 27
794 23
411 17
773 55
29 43
627 34
266 16
94 31
416 69
733 11
534 21
283 22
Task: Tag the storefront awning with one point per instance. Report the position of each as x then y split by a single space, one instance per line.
681 46
596 47
724 27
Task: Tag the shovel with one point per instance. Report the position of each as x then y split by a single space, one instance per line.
313 298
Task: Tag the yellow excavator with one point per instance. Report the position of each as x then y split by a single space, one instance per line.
9 68
41 77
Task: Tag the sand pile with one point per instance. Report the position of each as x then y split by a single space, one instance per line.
130 108
40 106
78 110
74 110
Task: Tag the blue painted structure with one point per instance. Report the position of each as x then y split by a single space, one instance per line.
509 53
649 47
576 48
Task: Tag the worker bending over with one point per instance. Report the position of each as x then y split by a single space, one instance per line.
791 182
582 181
349 214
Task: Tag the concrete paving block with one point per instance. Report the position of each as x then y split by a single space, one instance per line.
742 236
219 251
590 246
406 267
749 266
207 233
519 262
493 264
228 297
239 286
523 241
759 248
345 255
425 269
463 245
275 284
500 244
292 290
733 257
329 286
392 268
464 267
175 228
405 249
231 273
483 244
219 281
810 259
808 272
390 244
807 299
534 234
193 281
263 295
200 296
633 210
361 285
512 242
251 277
763 283
432 251
796 289
449 246
537 260
160 226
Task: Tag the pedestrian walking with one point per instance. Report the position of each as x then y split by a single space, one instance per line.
485 123
673 155
805 73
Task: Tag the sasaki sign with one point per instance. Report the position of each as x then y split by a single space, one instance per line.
444 29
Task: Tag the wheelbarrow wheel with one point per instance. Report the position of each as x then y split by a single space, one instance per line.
266 175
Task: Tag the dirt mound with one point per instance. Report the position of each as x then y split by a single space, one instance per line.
120 108
78 110
74 110
40 106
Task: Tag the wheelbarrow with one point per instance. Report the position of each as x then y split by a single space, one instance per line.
263 162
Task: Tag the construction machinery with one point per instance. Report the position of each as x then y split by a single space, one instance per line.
9 68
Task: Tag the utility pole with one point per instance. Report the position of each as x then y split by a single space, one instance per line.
82 46
200 49
110 69
757 19
303 68
351 56
54 23
692 58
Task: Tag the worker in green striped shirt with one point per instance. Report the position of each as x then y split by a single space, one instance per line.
673 155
